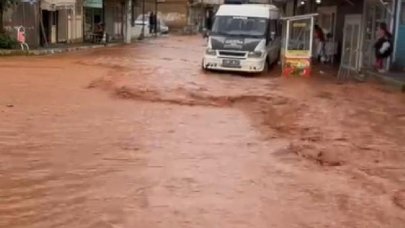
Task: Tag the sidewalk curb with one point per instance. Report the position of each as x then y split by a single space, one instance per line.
51 51
398 84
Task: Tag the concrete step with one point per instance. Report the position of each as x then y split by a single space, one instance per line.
394 79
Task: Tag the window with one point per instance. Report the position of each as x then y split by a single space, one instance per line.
240 26
402 13
299 35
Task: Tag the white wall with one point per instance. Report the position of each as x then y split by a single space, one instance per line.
70 24
63 26
114 23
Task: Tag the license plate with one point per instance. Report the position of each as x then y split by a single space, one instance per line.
233 63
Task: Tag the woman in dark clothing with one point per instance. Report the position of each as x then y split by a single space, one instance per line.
151 22
208 22
383 46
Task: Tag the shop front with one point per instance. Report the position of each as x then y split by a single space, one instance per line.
93 10
61 21
375 12
201 14
114 11
357 22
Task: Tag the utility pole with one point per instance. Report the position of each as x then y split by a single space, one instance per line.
156 18
143 21
127 38
202 15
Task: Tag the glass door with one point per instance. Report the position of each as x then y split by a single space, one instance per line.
375 13
351 42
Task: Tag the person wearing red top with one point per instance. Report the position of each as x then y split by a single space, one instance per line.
320 39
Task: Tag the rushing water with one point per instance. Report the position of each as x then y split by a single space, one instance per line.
138 136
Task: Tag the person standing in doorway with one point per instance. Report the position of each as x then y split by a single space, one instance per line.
320 40
156 23
383 47
208 21
151 22
98 32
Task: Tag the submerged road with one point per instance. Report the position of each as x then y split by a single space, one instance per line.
139 136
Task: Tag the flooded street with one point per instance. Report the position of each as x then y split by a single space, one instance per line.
139 136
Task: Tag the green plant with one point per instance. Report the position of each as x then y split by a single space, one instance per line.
6 42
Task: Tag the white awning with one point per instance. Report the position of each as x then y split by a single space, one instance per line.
52 5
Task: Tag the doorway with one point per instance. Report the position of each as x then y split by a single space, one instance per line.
327 19
118 21
351 42
93 17
49 34
375 13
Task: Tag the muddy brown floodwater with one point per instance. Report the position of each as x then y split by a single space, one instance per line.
138 136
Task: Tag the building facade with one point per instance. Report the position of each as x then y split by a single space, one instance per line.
51 22
61 21
46 22
201 13
173 12
23 14
353 25
93 16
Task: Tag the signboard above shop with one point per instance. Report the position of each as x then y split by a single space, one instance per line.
235 1
248 2
93 4
53 5
32 2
